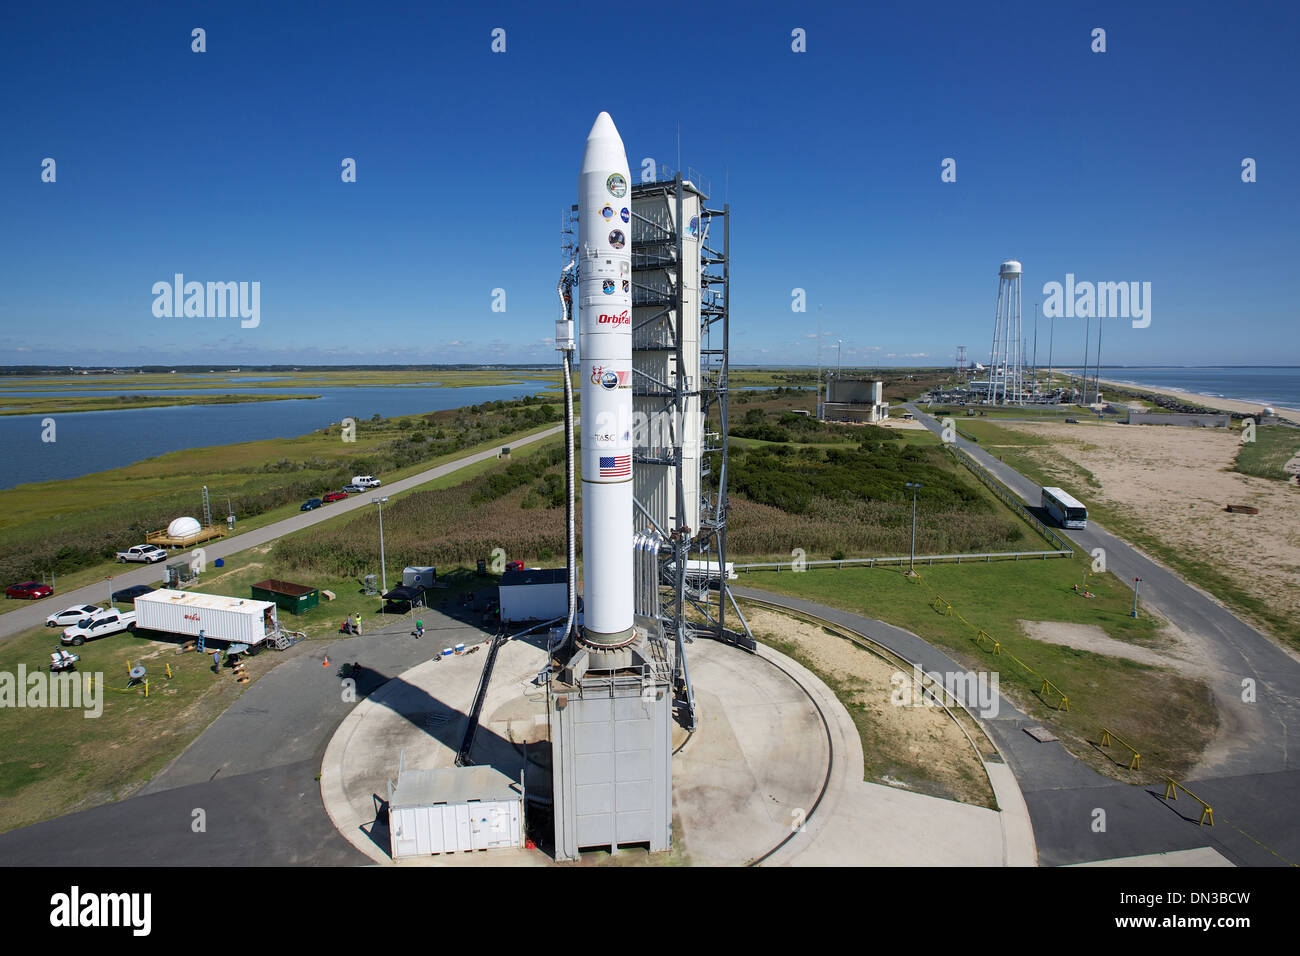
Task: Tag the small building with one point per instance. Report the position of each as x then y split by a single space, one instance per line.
854 400
534 594
453 810
294 598
1197 420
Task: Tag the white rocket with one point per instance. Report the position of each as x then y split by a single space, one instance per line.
605 344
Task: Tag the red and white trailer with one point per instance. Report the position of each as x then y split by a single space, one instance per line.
220 618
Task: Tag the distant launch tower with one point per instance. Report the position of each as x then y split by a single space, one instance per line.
1006 365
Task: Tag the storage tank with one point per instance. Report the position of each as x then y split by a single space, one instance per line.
184 528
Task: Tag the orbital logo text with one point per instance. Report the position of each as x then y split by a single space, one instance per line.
621 319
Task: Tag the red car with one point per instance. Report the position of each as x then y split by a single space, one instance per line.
334 496
28 589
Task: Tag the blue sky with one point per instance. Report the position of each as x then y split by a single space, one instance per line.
225 166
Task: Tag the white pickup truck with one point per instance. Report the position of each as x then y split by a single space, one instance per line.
106 622
149 553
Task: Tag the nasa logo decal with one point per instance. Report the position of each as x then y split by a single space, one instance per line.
625 214
617 239
616 185
607 287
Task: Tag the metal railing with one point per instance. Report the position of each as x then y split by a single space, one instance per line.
1010 499
926 559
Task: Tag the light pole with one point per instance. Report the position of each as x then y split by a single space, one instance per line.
819 362
1136 582
383 570
911 561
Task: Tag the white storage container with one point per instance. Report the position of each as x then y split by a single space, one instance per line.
453 810
231 619
418 577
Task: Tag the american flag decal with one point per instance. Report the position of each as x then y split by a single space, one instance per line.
617 466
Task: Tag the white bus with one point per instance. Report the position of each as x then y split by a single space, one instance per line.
1067 512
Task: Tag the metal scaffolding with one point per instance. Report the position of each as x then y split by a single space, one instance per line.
693 400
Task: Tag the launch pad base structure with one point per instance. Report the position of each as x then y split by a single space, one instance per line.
611 734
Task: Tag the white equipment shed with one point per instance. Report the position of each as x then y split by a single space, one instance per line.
534 594
454 810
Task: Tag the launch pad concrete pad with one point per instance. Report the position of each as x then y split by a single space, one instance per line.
772 774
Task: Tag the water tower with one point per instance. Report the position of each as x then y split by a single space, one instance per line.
1006 371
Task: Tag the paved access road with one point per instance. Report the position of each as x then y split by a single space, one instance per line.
1064 795
34 615
253 773
1252 778
1258 732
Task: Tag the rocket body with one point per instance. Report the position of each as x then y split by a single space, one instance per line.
605 346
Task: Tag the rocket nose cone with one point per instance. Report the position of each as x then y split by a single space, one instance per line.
603 128
604 145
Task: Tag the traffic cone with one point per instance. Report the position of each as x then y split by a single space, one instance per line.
327 661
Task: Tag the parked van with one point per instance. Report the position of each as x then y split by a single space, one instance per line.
366 481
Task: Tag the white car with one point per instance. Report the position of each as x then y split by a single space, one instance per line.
106 622
72 616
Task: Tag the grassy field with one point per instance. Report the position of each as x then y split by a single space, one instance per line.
839 490
134 391
921 750
517 506
55 761
432 376
1169 717
1049 413
56 404
899 384
1034 458
73 527
1272 448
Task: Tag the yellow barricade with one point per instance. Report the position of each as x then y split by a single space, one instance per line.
1172 787
1107 737
1047 684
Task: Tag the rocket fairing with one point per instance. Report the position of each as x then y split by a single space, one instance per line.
605 345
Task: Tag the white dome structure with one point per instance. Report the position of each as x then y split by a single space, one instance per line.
184 528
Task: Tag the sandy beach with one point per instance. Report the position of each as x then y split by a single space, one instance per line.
1174 483
1209 401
